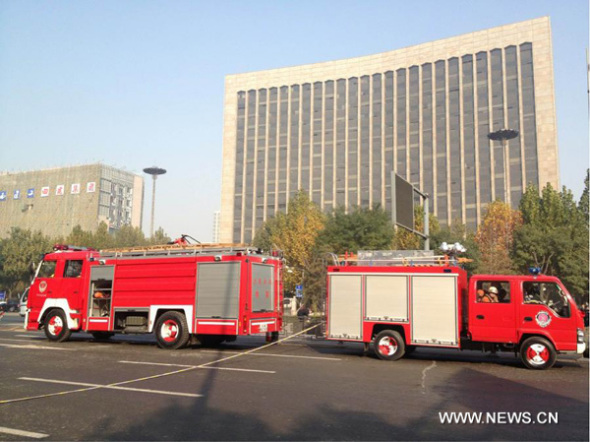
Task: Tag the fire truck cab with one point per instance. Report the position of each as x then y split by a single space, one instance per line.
399 308
175 292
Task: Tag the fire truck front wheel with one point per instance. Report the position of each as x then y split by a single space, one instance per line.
172 331
537 353
389 345
56 326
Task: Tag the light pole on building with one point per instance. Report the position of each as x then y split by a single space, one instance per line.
154 172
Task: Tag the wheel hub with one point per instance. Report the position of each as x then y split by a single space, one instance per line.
387 346
169 331
537 354
55 325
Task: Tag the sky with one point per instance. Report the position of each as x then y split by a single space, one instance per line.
139 83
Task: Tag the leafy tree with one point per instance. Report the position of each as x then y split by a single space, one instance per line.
361 229
553 237
458 232
495 238
19 253
128 236
160 237
585 199
295 234
406 240
80 237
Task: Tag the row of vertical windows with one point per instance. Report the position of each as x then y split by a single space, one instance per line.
341 139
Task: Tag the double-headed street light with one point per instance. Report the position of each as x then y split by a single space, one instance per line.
504 135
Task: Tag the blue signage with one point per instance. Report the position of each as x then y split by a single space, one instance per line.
299 291
2 195
31 193
2 296
16 195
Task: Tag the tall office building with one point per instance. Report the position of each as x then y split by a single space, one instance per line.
54 201
338 129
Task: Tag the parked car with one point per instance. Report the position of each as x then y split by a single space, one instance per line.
3 306
23 302
13 305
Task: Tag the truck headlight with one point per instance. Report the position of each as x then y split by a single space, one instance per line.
580 336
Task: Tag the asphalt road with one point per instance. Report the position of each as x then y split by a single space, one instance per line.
299 390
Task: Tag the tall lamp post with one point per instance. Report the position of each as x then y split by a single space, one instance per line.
154 172
504 135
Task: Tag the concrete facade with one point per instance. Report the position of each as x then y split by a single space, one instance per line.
492 79
54 201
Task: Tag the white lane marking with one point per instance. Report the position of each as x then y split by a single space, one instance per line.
196 366
35 347
431 366
23 433
29 336
277 355
113 387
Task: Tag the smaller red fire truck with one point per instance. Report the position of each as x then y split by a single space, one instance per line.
212 293
398 308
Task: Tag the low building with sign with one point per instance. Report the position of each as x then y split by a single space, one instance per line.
54 201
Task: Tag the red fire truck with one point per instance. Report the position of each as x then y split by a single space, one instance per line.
398 308
176 292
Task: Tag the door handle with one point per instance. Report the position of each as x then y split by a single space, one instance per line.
480 317
527 319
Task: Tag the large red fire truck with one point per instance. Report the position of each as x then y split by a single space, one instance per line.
176 292
399 307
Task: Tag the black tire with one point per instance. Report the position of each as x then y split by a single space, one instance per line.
537 353
172 331
102 336
389 345
56 326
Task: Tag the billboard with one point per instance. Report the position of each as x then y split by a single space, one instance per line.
403 202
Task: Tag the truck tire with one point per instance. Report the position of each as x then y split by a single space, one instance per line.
56 326
172 331
102 336
537 353
389 345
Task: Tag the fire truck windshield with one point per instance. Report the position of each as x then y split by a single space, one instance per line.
548 294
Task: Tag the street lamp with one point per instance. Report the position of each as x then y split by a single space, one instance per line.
154 172
504 135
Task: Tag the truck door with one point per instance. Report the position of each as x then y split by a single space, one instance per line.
545 310
71 284
99 297
47 284
492 311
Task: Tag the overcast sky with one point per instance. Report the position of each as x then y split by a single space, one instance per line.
140 83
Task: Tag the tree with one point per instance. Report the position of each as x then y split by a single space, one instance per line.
128 236
295 234
406 240
361 229
585 199
19 253
553 237
495 238
458 232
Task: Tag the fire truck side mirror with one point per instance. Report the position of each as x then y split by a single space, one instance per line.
217 257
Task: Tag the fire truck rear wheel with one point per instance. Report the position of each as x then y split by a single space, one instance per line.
537 353
56 326
172 331
389 345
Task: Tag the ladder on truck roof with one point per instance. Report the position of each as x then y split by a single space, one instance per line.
182 249
403 261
